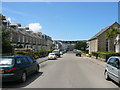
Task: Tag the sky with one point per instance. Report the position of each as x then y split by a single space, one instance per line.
63 20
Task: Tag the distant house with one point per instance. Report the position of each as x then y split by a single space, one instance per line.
23 37
99 42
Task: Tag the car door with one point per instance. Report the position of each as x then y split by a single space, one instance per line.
32 64
20 65
27 65
112 67
115 70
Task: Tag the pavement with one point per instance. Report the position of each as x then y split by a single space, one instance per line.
97 61
69 71
41 60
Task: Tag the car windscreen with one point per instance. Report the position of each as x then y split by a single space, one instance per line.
6 61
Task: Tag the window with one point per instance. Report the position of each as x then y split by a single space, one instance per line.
6 61
30 40
18 61
23 39
26 39
11 36
30 60
111 61
25 60
18 38
114 62
16 28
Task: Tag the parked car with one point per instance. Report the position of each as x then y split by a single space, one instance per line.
52 56
57 52
78 54
61 52
64 51
17 68
112 70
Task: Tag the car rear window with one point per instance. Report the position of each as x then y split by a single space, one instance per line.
51 54
6 61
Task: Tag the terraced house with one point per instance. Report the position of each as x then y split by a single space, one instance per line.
23 37
100 42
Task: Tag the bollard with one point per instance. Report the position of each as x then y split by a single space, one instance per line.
96 56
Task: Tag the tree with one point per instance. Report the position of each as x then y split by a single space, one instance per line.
81 45
111 34
6 45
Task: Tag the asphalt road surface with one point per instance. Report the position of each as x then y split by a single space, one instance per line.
69 71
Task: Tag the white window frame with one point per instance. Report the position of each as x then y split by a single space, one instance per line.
30 40
23 38
26 39
11 36
18 38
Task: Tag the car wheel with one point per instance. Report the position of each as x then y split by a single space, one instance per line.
106 75
37 69
119 84
23 77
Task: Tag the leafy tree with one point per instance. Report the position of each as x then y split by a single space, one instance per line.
111 34
6 45
81 45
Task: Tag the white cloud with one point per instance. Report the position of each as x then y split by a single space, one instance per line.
35 27
9 19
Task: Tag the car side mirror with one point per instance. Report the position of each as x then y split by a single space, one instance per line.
33 59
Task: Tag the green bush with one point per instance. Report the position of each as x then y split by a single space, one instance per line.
42 53
105 55
35 54
50 50
23 53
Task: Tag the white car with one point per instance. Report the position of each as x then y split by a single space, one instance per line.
52 56
112 70
61 53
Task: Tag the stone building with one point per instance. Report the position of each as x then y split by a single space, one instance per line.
100 42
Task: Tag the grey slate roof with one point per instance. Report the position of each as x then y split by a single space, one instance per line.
102 31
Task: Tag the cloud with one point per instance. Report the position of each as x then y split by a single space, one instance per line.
35 27
9 19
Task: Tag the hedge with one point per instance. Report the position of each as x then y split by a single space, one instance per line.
26 53
35 54
105 55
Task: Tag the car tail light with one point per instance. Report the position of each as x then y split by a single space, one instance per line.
12 69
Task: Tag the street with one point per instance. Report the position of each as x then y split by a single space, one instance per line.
69 71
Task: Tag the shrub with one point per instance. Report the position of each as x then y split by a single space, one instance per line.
83 53
35 54
41 53
23 53
105 55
